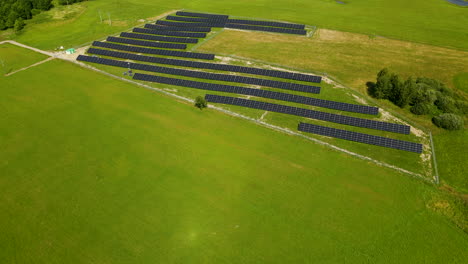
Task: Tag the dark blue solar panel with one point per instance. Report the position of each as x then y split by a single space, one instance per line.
162 52
360 137
158 38
147 43
169 28
291 110
169 33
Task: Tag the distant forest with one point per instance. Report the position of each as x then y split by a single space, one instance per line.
16 11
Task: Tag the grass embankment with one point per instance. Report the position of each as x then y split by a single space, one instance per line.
355 59
92 168
81 23
13 58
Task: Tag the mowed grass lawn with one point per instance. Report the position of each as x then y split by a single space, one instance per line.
93 169
14 58
436 22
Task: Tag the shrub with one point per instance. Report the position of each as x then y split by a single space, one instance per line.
448 121
446 104
19 24
200 102
462 106
421 109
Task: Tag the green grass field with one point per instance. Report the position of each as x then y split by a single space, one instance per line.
461 81
106 172
13 58
440 24
405 160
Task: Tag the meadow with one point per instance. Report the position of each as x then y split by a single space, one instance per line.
13 58
119 174
354 60
441 23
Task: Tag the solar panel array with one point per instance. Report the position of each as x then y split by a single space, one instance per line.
202 65
147 43
194 19
158 38
187 24
212 86
169 33
360 137
194 14
268 29
200 19
265 23
173 53
169 28
210 76
291 110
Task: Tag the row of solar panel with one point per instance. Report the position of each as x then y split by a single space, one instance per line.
169 28
169 33
266 23
291 110
360 137
194 14
147 43
211 76
158 38
196 19
173 53
245 91
236 21
187 24
204 65
240 21
267 29
229 25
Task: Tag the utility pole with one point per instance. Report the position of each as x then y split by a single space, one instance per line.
110 20
100 16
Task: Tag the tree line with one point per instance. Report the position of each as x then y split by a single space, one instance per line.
423 96
13 13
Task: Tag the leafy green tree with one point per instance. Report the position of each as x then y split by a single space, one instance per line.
200 102
448 121
383 85
19 24
405 92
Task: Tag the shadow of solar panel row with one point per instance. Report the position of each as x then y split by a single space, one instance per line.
205 65
169 33
267 29
147 43
196 19
188 24
194 14
291 110
173 53
158 38
265 23
169 28
360 137
235 89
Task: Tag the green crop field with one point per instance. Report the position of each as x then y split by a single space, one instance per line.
440 23
97 170
14 58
